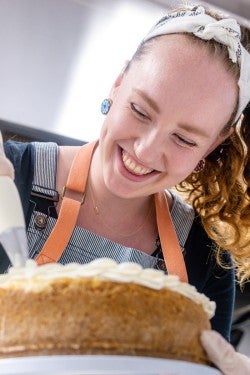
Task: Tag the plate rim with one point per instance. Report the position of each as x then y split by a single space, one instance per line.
100 364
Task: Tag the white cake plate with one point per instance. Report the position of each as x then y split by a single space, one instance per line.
100 365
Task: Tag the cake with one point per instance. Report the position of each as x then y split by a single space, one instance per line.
101 308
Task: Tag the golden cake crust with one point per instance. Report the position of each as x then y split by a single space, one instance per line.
92 316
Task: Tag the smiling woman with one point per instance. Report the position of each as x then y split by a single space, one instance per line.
177 114
164 135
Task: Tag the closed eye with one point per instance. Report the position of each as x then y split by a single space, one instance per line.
184 142
138 111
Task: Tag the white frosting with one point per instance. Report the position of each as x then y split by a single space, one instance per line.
35 278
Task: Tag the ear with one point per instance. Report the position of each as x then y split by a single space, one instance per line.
118 80
115 85
217 142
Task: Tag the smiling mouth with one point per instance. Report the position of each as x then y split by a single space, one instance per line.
133 167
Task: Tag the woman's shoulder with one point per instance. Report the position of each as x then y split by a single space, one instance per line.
183 217
185 214
21 155
16 151
180 204
66 156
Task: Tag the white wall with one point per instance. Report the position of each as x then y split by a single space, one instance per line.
58 59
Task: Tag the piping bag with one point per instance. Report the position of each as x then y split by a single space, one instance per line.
12 223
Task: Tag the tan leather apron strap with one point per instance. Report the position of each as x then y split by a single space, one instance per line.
60 235
171 250
67 218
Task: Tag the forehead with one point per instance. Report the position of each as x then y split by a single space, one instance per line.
175 69
185 53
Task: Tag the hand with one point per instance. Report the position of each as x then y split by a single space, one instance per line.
223 355
6 168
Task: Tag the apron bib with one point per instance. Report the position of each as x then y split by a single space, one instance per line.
65 225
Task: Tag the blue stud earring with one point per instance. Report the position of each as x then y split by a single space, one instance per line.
105 106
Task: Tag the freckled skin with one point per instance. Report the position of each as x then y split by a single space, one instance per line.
183 80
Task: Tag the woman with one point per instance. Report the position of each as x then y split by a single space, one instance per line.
173 118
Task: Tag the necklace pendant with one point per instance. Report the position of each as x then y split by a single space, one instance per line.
96 209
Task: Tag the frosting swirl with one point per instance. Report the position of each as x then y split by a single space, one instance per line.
35 278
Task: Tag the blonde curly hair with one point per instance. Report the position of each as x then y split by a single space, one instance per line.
220 193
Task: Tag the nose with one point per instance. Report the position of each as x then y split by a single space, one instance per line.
151 150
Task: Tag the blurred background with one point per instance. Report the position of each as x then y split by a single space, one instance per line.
59 59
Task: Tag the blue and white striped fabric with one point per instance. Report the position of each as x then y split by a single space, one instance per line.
85 246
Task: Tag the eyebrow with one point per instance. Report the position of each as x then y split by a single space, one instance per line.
149 100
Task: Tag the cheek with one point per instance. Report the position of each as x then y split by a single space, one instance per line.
181 163
116 126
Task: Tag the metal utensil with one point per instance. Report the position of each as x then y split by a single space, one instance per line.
12 223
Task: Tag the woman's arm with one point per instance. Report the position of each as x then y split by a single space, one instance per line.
21 155
6 168
209 278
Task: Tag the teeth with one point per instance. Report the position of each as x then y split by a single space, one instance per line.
133 167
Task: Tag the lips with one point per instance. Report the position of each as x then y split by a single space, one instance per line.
133 166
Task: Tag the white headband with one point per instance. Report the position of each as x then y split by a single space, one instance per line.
225 31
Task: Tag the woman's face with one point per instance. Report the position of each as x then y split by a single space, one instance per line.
168 111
